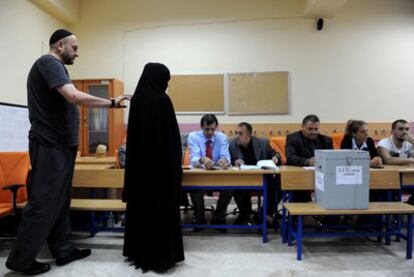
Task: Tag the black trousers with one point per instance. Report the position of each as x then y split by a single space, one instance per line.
46 217
197 198
242 197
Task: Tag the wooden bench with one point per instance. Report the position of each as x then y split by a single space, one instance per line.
98 179
300 210
294 178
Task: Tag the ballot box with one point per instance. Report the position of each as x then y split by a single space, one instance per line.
342 179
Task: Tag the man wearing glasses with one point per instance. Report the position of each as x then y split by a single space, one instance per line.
398 148
209 149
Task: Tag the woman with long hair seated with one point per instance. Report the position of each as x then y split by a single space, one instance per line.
356 138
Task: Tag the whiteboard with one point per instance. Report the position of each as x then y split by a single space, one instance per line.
14 128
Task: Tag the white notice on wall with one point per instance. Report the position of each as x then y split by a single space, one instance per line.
320 180
14 128
349 175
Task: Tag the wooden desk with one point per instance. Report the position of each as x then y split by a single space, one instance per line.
114 178
406 177
231 179
375 208
96 176
95 160
298 178
93 166
192 179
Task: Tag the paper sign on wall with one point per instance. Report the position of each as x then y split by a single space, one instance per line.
320 180
349 175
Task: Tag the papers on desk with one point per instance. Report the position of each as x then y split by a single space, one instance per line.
309 167
262 164
216 167
247 167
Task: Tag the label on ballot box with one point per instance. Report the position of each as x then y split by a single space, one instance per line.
349 175
342 179
320 180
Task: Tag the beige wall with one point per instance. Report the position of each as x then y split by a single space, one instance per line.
354 68
67 11
24 33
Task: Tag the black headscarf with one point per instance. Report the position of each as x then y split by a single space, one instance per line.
153 174
154 78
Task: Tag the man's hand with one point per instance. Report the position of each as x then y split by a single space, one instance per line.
409 137
207 162
119 99
223 163
311 161
275 160
376 162
238 162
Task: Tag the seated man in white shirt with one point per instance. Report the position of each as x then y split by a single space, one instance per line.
398 148
209 149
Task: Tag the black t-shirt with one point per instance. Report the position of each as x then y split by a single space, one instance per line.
54 121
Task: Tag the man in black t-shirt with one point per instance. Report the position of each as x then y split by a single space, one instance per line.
53 142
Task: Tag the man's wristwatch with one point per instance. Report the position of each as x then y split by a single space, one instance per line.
112 102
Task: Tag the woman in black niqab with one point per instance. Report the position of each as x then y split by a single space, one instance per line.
153 239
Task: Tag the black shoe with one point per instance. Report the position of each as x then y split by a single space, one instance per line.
241 220
331 220
272 222
35 269
219 221
199 222
77 254
365 221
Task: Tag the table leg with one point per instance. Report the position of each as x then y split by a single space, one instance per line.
299 239
388 229
409 236
264 222
284 217
289 229
92 228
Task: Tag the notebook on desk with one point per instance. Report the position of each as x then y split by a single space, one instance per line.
262 164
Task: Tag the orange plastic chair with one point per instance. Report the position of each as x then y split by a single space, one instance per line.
337 140
117 164
186 160
14 169
278 144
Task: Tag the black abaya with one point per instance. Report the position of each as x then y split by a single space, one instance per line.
153 239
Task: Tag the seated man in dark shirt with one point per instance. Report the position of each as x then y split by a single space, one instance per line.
301 146
247 149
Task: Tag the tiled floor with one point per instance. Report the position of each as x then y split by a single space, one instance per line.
239 254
